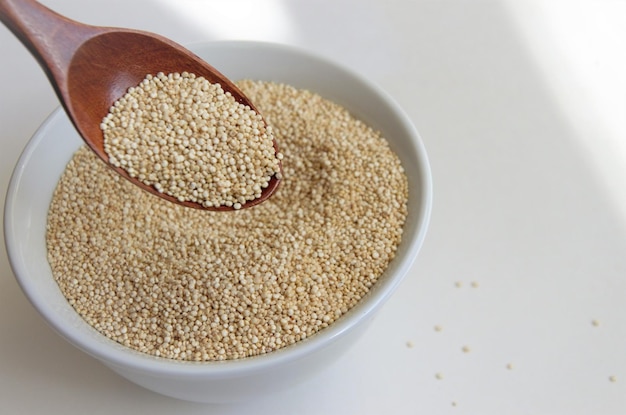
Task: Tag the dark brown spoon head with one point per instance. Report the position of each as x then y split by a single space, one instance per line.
91 67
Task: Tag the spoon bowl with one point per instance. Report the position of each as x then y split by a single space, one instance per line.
91 67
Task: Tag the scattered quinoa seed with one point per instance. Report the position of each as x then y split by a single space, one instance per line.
439 376
595 323
410 344
438 328
474 284
458 284
509 366
466 349
613 378
188 138
196 285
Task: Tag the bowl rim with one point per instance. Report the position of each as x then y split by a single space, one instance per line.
128 358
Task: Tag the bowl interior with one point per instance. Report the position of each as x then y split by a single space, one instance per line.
43 161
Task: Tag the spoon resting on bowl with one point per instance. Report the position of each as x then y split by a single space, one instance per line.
91 67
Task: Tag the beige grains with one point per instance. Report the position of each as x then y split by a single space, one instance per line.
190 139
195 285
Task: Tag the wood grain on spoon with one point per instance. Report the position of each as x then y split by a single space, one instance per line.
90 67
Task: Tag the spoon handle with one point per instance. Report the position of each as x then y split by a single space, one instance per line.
50 37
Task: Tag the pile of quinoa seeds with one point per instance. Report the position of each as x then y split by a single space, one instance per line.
202 286
190 139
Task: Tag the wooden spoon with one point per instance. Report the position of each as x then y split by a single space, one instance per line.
91 67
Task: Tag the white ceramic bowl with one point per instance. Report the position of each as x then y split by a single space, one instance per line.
44 159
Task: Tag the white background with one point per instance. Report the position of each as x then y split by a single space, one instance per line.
522 108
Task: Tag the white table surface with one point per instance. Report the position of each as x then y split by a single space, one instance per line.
522 108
